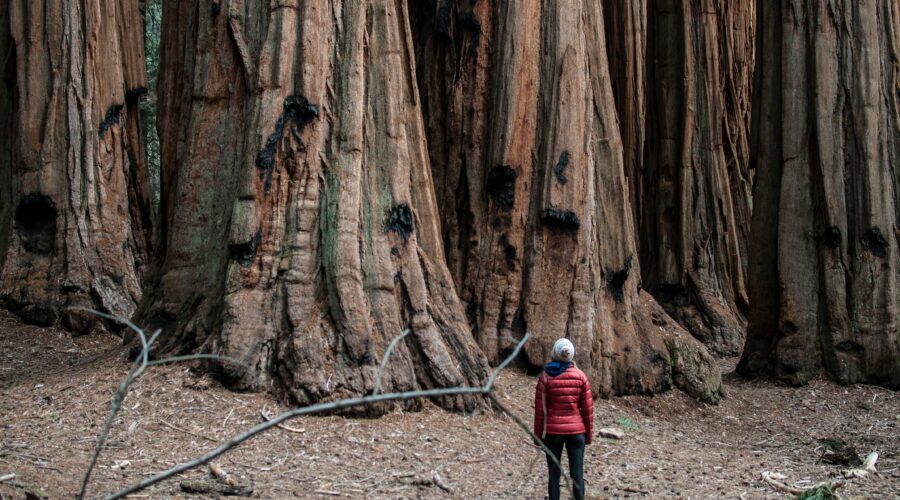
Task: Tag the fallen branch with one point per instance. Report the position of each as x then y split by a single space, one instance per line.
868 467
7 477
438 481
215 488
219 473
265 416
775 480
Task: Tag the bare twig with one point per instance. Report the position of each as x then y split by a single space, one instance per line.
140 364
535 438
387 356
192 433
7 477
137 368
320 408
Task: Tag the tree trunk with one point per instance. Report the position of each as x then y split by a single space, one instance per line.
693 182
524 140
321 241
693 255
76 217
824 274
626 45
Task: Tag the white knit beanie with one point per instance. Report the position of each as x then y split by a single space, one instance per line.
563 350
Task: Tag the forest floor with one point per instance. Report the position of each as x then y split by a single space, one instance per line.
55 392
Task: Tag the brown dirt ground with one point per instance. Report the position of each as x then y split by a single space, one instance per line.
55 392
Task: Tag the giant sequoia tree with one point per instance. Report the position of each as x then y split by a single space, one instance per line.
681 76
75 217
826 144
528 164
697 131
301 232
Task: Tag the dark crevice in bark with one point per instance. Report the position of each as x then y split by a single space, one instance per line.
245 252
615 281
35 221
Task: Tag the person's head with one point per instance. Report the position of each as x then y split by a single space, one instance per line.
563 350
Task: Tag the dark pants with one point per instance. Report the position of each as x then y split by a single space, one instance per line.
575 450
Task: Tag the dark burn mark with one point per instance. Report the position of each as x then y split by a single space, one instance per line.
113 114
442 19
874 242
559 169
132 95
616 281
244 253
501 185
833 237
509 252
470 23
297 110
35 220
400 221
216 9
561 221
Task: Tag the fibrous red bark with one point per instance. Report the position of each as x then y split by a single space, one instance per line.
824 268
75 219
523 133
321 242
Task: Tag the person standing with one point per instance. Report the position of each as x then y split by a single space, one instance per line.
564 415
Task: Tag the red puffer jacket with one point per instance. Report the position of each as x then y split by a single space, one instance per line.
563 405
